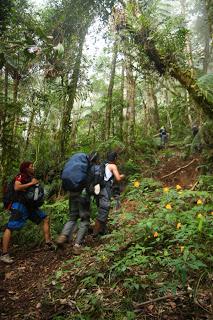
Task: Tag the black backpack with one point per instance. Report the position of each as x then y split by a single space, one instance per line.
8 195
34 196
96 176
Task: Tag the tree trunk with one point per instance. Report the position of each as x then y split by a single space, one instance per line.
110 91
153 114
209 11
66 117
145 40
130 79
169 65
121 106
188 40
29 127
206 59
15 98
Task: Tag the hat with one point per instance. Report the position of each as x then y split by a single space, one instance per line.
112 156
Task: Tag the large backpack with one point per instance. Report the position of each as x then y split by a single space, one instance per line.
34 196
8 195
75 172
96 176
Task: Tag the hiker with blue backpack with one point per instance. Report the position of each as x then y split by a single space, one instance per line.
75 180
23 202
111 174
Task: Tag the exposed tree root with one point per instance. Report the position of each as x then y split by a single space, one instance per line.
175 171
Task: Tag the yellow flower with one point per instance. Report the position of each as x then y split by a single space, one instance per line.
168 206
136 184
199 216
178 187
166 189
211 213
199 201
181 248
180 192
178 225
155 235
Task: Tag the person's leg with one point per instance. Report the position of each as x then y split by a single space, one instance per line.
84 213
103 212
6 240
16 221
70 226
46 230
37 216
5 257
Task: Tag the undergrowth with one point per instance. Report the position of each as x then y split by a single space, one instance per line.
160 243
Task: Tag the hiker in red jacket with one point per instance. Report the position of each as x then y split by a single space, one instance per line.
21 211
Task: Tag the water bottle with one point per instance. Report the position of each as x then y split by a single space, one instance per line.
36 192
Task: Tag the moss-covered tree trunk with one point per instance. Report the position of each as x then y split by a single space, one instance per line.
152 107
72 88
169 65
130 88
110 91
121 106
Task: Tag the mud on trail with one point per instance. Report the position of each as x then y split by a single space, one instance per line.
24 283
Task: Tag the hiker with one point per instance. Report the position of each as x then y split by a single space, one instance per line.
79 206
21 210
163 136
196 145
111 174
195 130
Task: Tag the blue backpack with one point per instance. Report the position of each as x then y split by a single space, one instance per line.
74 174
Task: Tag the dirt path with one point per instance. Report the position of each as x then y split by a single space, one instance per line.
23 282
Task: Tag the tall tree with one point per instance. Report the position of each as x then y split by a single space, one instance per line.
164 61
110 90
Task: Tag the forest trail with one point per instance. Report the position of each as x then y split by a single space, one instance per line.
25 282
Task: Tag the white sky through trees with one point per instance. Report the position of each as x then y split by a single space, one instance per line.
38 3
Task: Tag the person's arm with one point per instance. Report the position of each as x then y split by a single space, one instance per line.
113 168
21 187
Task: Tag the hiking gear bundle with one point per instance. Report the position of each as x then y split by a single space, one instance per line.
81 171
34 196
95 180
8 195
74 174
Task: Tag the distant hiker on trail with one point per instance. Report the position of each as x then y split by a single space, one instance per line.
111 174
195 130
74 180
163 136
24 206
196 141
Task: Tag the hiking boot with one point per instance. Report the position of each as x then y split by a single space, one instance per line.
61 240
97 228
50 246
77 249
6 258
100 228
